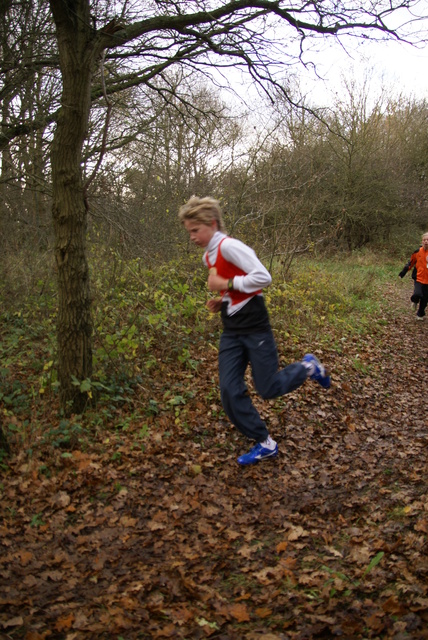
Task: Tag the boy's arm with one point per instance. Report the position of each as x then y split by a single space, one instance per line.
258 277
214 304
217 283
404 270
413 258
410 264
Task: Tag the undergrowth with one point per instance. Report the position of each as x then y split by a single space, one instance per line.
152 332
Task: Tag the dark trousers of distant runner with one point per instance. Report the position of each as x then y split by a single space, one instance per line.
420 295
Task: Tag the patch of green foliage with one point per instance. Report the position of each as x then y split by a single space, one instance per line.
151 323
325 302
149 316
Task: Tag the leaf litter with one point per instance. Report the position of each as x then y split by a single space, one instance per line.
175 540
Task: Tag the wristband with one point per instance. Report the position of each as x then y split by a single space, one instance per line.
230 284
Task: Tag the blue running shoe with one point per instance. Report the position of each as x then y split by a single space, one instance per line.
258 453
319 374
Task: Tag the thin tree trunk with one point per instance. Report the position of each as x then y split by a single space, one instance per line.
74 324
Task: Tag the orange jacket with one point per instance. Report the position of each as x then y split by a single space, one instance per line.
419 260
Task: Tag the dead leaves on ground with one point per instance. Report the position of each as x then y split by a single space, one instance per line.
177 541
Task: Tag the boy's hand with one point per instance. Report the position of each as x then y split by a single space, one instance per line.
214 305
217 283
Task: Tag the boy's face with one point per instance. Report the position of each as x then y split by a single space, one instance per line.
425 241
200 234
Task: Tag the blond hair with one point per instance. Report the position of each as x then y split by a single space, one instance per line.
202 210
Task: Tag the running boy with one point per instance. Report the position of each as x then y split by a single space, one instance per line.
419 260
239 276
415 298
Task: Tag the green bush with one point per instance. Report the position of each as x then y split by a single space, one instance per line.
151 326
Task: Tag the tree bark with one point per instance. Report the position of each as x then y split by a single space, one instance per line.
69 211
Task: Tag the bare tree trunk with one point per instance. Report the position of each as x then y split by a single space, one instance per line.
69 210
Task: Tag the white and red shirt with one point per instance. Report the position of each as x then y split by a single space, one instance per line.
234 259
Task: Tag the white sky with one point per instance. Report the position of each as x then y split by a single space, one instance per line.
402 68
398 68
391 68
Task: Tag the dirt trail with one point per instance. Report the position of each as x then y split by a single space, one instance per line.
176 541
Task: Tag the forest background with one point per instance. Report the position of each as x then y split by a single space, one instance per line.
333 199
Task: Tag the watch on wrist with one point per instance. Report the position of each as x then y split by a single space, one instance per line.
230 284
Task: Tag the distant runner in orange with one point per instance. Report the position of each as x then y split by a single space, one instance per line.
419 260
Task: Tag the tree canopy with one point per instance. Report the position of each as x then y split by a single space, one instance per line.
146 39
